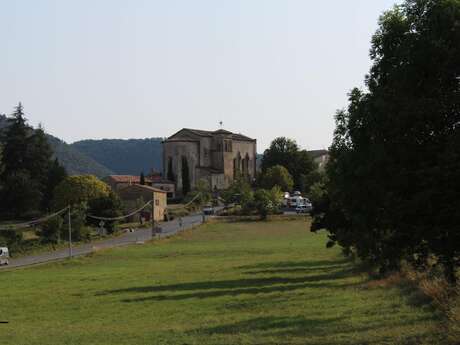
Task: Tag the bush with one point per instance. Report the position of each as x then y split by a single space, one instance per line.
277 176
203 191
80 232
263 202
51 230
11 239
78 189
105 206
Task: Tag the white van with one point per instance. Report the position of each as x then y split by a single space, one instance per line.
4 256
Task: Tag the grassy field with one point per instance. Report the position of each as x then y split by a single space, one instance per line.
235 283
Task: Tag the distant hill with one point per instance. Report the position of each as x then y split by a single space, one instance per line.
125 157
75 162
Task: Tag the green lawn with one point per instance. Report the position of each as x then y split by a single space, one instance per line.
235 283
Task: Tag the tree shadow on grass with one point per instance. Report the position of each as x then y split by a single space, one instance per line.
285 327
296 269
306 265
231 284
294 324
232 292
209 289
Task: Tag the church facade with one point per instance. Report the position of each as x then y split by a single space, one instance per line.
215 156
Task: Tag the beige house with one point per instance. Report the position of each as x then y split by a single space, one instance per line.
130 196
215 156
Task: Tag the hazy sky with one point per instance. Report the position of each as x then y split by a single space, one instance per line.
146 68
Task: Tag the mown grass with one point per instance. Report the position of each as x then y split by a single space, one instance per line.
230 283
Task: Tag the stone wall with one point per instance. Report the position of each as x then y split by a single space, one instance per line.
177 150
210 156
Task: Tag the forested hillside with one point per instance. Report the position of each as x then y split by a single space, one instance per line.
130 156
75 162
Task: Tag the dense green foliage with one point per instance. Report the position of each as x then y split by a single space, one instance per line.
240 192
267 201
277 176
52 230
28 174
75 190
124 156
226 283
75 162
56 174
201 195
286 152
109 206
261 201
394 172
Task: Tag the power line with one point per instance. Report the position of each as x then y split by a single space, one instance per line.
19 226
120 217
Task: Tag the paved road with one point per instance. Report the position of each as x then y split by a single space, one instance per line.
139 235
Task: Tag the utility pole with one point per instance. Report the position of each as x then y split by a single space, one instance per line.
70 234
153 215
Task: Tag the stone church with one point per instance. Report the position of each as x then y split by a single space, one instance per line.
216 156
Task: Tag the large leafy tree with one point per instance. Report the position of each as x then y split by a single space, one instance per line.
15 142
28 174
21 192
277 176
105 206
75 190
285 152
394 171
38 160
56 174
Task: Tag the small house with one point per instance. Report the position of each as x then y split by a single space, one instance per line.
131 195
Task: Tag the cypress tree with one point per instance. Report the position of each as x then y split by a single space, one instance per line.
15 144
56 175
185 176
38 158
26 163
142 179
171 176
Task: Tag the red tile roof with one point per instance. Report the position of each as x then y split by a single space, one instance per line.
140 186
127 179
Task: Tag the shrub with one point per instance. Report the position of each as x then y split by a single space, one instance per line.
78 189
106 206
51 230
277 176
263 203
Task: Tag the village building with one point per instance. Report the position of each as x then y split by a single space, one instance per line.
217 157
136 195
118 182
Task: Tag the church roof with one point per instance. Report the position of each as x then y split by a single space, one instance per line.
205 133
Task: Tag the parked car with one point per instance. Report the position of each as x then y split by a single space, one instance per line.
4 256
306 208
208 210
